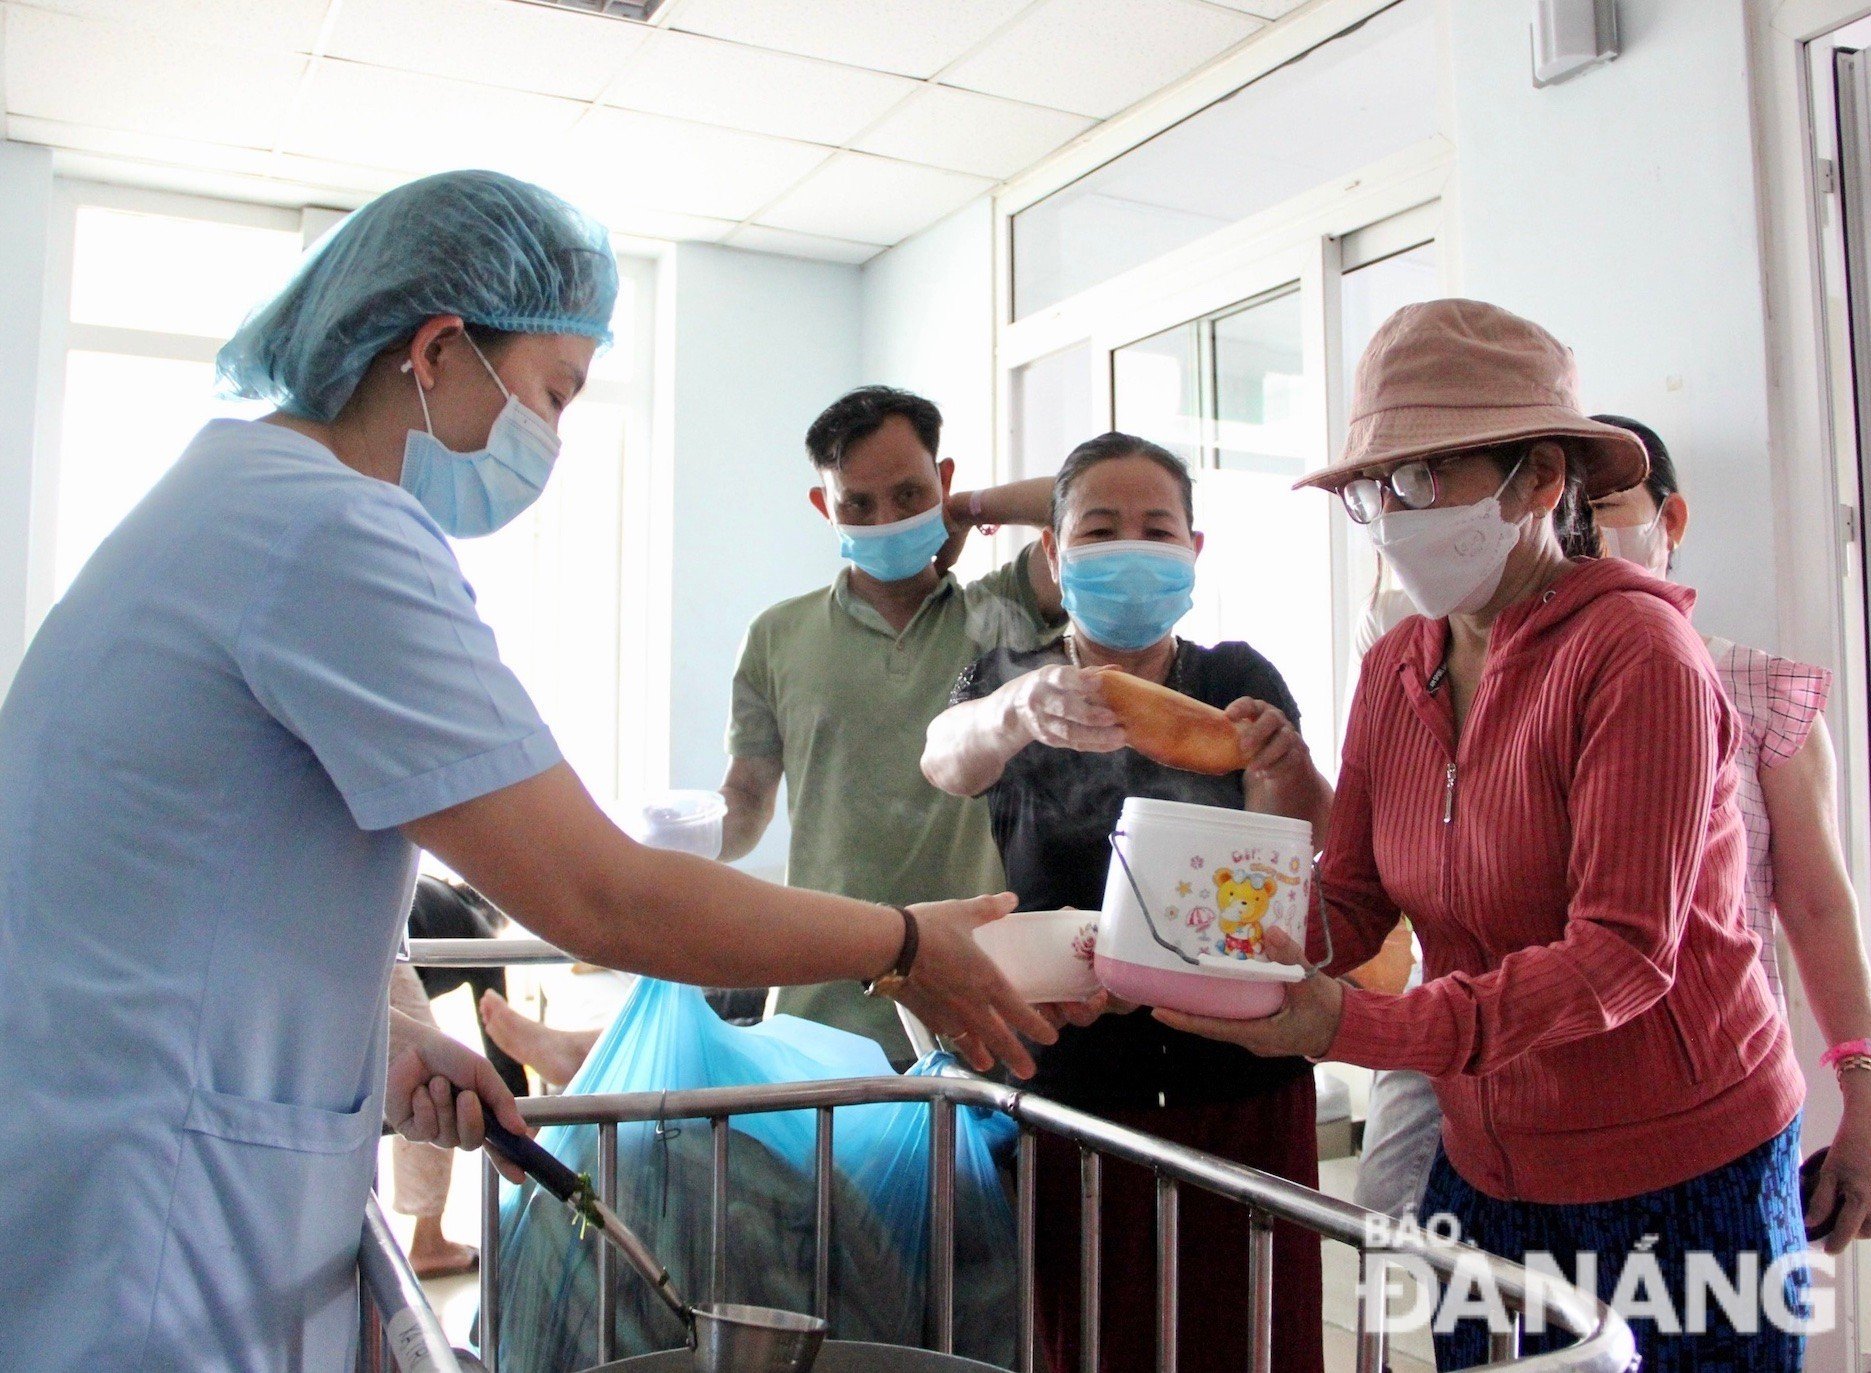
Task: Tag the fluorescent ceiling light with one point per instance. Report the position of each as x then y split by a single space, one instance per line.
640 10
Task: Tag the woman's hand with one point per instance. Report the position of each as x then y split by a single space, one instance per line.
1271 745
437 1089
957 992
1281 778
1059 706
1306 1025
1845 1176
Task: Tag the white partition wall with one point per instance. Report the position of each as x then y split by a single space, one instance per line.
26 194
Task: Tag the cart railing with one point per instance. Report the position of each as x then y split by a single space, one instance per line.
1602 1342
397 1328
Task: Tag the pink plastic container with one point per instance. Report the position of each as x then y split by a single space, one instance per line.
1190 896
1227 994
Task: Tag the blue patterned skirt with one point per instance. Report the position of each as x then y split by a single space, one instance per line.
1750 1206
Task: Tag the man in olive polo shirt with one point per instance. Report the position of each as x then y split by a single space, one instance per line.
835 688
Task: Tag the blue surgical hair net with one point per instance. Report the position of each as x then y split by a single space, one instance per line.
497 251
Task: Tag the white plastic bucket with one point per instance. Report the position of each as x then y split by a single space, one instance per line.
685 821
1212 882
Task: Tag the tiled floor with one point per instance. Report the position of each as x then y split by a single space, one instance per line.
591 1000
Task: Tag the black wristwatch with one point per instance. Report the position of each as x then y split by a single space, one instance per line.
892 982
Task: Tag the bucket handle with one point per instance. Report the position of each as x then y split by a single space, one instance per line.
1325 921
1144 906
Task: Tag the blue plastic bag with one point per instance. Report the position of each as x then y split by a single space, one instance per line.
667 1038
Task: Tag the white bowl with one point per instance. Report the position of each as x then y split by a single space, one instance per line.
1046 955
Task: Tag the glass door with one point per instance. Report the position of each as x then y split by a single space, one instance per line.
1231 394
1242 394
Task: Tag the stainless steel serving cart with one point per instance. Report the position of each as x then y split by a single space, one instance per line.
1600 1340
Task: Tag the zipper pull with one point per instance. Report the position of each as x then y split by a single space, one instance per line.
1448 797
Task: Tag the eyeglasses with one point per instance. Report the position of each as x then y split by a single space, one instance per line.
1413 484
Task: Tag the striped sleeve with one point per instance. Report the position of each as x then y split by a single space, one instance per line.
1651 746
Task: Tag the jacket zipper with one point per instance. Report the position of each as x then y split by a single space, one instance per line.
1483 1087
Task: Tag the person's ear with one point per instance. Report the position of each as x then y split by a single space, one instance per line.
1675 516
1543 477
1200 539
1049 545
428 345
945 472
817 496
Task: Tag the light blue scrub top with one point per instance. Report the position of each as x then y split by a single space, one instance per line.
272 663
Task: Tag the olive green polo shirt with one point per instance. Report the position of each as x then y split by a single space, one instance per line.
826 686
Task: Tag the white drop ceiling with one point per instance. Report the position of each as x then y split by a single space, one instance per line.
816 128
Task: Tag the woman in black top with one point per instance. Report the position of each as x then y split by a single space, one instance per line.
1027 731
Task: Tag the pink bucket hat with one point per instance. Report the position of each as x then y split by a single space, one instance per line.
1451 375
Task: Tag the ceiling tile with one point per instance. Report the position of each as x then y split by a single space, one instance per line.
664 224
912 37
279 25
260 186
356 182
717 82
872 199
1096 57
1262 9
381 118
969 132
632 159
129 146
523 47
116 77
760 239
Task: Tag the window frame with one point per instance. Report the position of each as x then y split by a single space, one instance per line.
1313 242
642 752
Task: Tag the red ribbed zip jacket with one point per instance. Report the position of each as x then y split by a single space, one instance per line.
1593 1010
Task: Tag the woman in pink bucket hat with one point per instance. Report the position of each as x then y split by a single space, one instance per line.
1539 769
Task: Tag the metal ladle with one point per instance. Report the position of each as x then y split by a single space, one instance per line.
725 1337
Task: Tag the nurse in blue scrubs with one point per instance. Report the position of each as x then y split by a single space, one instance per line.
265 691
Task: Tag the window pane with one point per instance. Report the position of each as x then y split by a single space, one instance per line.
618 363
1350 102
1265 576
126 421
1370 295
1055 409
1261 423
1156 390
548 585
178 276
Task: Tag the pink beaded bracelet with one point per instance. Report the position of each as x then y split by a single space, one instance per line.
1850 1048
975 512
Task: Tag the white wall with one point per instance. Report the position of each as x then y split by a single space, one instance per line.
25 234
1619 210
928 325
758 346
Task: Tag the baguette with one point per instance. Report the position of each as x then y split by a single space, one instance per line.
1169 728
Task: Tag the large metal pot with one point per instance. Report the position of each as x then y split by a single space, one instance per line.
836 1356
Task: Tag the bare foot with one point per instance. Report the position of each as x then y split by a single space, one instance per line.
434 1255
556 1055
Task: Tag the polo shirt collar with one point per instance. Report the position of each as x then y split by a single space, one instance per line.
867 615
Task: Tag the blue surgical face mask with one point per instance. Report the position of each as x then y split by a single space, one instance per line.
475 493
1127 595
894 552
